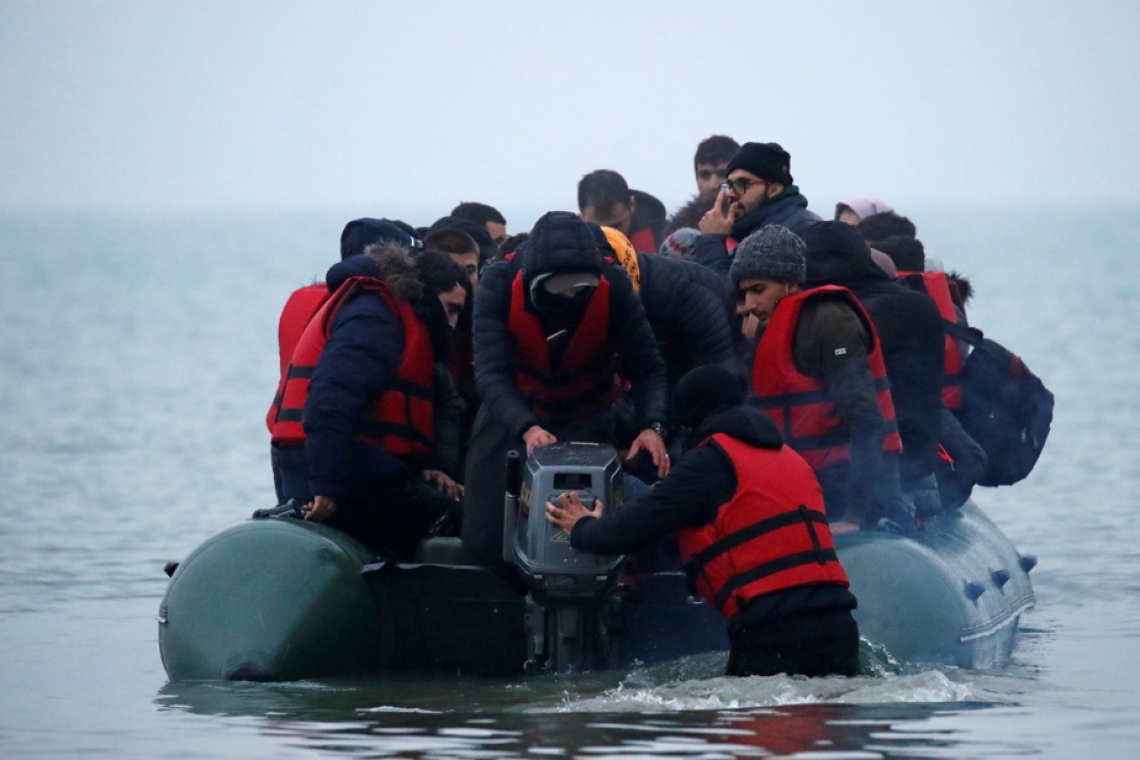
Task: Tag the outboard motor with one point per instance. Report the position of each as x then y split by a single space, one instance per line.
569 592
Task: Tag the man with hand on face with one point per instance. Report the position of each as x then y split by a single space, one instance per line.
759 192
749 518
554 326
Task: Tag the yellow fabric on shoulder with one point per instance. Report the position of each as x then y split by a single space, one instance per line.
626 256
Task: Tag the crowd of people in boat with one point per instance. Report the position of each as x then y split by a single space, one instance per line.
770 379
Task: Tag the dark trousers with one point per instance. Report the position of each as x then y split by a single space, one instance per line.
389 517
819 644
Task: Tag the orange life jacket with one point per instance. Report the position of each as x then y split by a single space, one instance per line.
400 420
801 406
585 380
772 535
937 286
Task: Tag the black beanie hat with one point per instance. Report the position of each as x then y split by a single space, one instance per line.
766 160
702 391
361 233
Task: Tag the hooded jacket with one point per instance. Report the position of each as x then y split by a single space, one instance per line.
910 332
700 483
560 242
359 361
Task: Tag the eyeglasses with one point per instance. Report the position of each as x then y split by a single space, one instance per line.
740 185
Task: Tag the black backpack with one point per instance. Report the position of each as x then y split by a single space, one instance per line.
1005 407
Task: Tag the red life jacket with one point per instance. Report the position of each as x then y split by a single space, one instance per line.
585 380
299 309
400 420
771 536
642 240
937 286
800 405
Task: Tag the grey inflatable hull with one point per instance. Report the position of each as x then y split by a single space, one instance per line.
281 599
953 595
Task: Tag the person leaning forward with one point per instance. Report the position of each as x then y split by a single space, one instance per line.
353 418
552 326
749 518
818 372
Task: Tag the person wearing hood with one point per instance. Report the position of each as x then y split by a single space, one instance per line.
857 209
760 191
305 301
818 372
554 325
353 418
749 518
909 327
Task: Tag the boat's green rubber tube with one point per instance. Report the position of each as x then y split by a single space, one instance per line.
273 600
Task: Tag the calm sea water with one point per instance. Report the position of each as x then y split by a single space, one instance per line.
137 357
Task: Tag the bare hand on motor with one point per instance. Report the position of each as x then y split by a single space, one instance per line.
442 482
650 440
570 510
535 436
320 508
718 220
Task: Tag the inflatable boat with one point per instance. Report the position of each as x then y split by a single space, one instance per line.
282 599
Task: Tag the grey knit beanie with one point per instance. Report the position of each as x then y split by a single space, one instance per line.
771 253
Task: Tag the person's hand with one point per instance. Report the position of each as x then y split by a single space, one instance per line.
718 220
650 440
320 508
570 510
841 527
442 482
535 436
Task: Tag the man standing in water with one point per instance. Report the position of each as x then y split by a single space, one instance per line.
749 518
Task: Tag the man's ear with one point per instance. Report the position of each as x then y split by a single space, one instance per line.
632 205
774 189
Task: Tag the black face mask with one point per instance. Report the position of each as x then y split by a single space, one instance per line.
561 310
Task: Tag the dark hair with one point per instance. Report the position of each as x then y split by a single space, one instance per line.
511 244
881 226
715 150
438 272
691 213
451 240
907 252
603 190
480 213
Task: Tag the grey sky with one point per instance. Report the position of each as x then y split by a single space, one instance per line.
402 109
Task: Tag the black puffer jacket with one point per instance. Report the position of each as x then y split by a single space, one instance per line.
561 242
691 312
910 331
